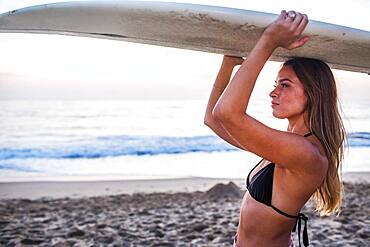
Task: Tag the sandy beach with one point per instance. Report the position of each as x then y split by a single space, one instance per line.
162 212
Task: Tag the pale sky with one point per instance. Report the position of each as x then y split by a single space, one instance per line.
35 66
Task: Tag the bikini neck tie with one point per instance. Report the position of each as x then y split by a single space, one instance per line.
299 219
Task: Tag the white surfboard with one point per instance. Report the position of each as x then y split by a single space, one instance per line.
188 26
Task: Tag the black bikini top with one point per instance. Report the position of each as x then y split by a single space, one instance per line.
260 188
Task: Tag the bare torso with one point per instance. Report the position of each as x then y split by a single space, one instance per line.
259 224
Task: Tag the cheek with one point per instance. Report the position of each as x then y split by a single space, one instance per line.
300 101
294 102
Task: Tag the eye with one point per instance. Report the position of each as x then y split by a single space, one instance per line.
284 84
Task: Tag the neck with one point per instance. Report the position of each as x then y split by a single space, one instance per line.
298 125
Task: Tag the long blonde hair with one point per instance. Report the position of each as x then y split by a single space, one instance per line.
325 122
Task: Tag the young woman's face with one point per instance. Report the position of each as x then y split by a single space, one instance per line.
288 97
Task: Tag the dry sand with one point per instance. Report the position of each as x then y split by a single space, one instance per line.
170 212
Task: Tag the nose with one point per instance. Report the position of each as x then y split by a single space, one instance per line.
274 93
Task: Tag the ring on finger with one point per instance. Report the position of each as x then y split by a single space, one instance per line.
292 14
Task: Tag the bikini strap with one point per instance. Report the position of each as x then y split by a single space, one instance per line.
298 222
283 213
247 180
308 134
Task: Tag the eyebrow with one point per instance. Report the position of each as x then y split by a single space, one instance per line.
284 79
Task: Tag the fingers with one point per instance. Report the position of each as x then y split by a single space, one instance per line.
291 15
302 25
298 43
297 20
282 15
298 24
287 29
234 60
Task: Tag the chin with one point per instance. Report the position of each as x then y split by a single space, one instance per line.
277 115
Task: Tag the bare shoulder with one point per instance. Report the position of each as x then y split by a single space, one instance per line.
289 150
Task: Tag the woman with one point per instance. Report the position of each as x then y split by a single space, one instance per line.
301 162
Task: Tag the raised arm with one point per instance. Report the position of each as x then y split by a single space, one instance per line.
222 79
287 149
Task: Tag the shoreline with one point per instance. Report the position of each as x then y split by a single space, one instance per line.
79 189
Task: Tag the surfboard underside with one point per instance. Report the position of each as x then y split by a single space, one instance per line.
188 26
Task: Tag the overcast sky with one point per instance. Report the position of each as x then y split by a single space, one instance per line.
35 66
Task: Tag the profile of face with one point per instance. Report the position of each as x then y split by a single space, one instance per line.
288 98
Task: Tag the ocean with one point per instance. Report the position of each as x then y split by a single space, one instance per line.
51 140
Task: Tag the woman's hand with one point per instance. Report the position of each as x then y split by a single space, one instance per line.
232 61
286 30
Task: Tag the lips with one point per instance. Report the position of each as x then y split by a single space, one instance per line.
274 103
